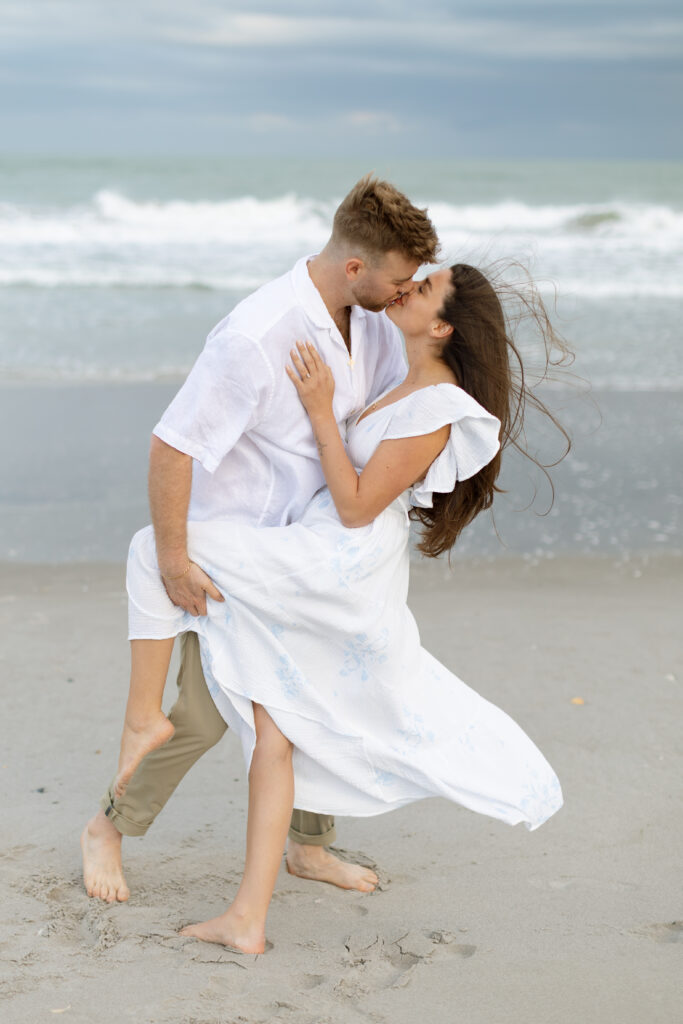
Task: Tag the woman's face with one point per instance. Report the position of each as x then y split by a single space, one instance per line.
417 312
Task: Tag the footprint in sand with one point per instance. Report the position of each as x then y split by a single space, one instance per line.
667 932
17 852
364 944
449 943
311 981
97 930
379 961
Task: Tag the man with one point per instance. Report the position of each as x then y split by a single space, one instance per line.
236 444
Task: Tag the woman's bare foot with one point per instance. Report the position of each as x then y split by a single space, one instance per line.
318 863
102 870
230 929
138 740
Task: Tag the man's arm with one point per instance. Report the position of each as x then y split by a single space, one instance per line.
224 396
170 483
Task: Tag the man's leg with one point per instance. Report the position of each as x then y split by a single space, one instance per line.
198 727
311 829
307 857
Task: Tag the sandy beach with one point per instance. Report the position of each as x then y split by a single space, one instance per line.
580 921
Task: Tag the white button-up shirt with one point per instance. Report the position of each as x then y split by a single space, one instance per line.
239 416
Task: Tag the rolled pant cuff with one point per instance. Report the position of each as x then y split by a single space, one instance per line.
324 839
123 824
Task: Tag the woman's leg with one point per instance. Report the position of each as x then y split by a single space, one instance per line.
271 798
146 727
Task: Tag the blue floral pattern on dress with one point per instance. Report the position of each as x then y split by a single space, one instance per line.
227 612
290 677
323 499
383 778
467 737
361 654
415 732
541 795
347 569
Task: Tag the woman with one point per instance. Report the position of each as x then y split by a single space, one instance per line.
313 657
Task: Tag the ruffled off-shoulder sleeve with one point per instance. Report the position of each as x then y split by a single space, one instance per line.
472 444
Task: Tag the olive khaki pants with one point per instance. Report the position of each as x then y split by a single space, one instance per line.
198 727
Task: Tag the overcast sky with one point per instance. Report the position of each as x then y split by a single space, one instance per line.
595 79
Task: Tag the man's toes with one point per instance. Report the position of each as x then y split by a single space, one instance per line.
122 893
367 881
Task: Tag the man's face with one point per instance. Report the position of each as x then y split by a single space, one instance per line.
375 285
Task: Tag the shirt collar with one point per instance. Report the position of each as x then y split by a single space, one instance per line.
311 299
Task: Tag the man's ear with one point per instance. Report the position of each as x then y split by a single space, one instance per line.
353 267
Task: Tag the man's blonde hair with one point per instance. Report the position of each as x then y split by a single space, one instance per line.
377 218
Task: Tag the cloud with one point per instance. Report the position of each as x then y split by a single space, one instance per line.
480 77
371 120
530 30
258 30
503 37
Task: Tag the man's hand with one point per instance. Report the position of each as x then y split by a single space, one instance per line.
170 482
189 591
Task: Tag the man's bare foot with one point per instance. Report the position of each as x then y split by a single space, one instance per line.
102 870
318 863
230 929
136 743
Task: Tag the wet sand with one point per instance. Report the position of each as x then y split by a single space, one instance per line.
74 486
578 922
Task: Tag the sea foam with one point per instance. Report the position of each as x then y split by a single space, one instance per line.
112 240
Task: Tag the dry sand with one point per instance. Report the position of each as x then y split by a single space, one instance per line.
578 922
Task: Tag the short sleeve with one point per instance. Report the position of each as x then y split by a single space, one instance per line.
473 441
226 393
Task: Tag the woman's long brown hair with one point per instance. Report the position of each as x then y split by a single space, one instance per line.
488 365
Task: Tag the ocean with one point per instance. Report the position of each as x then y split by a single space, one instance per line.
112 272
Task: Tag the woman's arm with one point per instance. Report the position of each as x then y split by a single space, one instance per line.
395 465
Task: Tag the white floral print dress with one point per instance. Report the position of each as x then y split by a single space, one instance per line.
315 627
